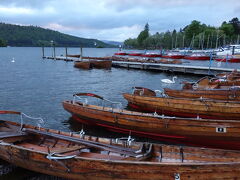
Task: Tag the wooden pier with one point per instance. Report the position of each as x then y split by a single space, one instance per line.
177 68
198 70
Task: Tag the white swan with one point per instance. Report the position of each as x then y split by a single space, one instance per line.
169 81
13 60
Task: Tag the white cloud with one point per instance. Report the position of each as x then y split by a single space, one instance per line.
116 19
15 10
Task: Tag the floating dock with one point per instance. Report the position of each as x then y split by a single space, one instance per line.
177 68
198 70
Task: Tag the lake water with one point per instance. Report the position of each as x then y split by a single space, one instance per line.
37 87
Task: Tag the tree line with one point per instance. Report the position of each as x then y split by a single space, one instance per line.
16 35
194 36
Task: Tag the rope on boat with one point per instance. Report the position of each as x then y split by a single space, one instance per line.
40 121
85 102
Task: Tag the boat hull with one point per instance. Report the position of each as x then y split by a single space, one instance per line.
165 162
219 94
101 64
231 60
177 130
151 55
184 107
82 64
201 58
173 56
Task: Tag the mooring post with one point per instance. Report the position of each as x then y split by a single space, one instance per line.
54 52
66 52
233 50
81 55
43 53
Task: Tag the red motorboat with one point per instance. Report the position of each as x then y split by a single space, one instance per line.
198 56
173 56
229 58
135 54
151 55
121 53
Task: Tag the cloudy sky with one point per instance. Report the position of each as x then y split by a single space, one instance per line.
116 19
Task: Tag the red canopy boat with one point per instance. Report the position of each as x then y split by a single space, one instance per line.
173 56
121 53
151 55
197 56
135 54
229 58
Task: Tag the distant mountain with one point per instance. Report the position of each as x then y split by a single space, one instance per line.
115 43
17 35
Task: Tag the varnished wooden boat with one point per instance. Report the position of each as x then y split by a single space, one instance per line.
185 107
82 64
165 61
101 64
74 55
230 94
72 156
191 131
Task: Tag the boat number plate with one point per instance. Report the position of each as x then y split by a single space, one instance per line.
221 129
177 176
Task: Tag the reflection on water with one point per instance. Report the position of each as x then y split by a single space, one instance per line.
37 87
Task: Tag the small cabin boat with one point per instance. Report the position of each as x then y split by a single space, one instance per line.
78 156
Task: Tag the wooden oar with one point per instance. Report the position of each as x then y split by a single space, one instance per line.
120 150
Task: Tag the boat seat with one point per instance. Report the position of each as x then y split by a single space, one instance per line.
67 149
9 134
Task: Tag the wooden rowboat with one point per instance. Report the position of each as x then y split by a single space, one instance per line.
75 156
185 107
191 131
74 55
101 64
82 64
230 94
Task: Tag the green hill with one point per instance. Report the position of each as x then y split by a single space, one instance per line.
17 35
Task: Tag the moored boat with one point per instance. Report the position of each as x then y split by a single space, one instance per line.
197 56
228 58
185 107
230 94
135 54
121 53
101 64
191 131
74 55
173 55
82 64
154 55
74 156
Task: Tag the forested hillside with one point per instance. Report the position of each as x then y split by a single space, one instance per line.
196 35
16 35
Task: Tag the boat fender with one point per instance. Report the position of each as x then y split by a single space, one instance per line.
52 157
195 86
